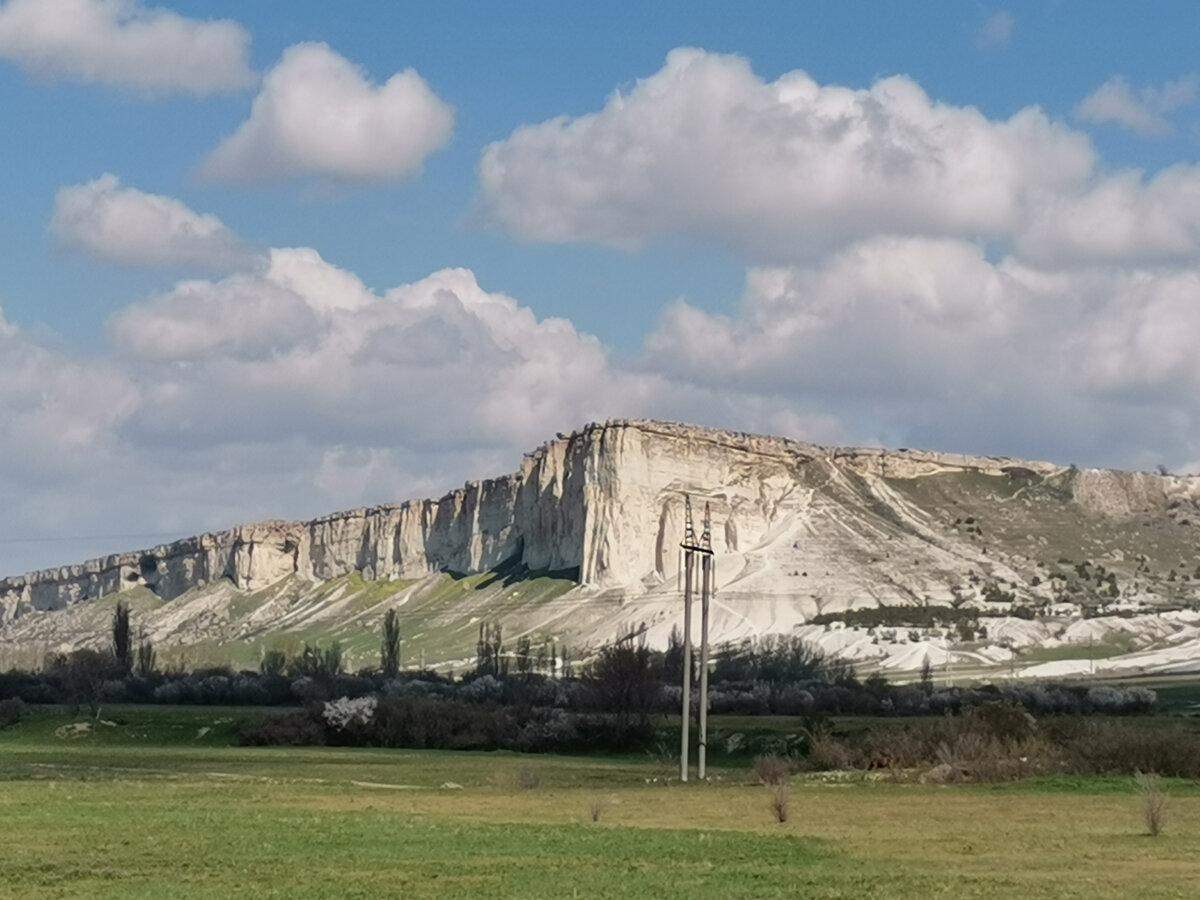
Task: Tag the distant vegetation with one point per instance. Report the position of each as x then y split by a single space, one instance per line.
536 700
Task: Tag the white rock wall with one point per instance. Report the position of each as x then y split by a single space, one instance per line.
607 500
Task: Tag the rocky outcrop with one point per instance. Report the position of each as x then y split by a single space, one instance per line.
606 502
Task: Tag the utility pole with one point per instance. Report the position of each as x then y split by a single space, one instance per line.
691 547
706 567
685 713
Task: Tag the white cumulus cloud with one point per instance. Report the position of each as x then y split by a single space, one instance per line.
790 170
1124 218
128 226
781 169
318 115
304 347
292 389
925 342
123 43
1144 111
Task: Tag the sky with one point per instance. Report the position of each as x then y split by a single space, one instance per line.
273 260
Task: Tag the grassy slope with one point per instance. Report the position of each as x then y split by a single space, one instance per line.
1035 522
166 814
438 615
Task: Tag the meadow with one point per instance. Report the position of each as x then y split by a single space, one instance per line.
162 803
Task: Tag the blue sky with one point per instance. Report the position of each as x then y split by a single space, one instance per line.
254 270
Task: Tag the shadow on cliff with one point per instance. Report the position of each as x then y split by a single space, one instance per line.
512 571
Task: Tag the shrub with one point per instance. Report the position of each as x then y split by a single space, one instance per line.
1154 800
350 721
170 692
114 691
597 808
247 690
780 803
296 729
1108 747
772 769
11 711
212 688
827 753
548 732
434 723
484 689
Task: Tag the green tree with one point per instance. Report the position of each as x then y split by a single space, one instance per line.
122 642
389 651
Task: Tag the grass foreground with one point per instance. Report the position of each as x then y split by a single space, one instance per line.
159 804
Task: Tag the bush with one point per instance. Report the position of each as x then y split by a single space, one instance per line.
548 732
1154 801
780 803
171 692
1107 747
434 723
247 690
11 711
772 769
296 729
827 753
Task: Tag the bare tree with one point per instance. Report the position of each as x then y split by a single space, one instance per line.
84 672
625 684
525 658
489 655
147 659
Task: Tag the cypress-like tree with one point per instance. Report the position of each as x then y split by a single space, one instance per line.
389 651
122 643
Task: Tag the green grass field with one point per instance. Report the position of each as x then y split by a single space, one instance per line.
160 804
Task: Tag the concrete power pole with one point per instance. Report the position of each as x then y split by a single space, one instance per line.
691 548
706 567
686 712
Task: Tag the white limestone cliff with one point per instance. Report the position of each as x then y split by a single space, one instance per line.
606 502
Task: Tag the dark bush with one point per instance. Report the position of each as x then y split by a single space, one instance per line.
435 723
776 659
296 729
1115 747
11 711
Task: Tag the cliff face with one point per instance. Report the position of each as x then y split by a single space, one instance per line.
607 501
535 515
